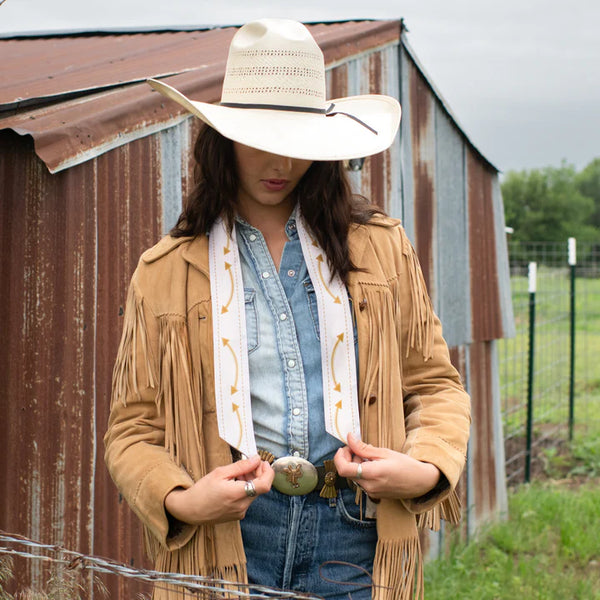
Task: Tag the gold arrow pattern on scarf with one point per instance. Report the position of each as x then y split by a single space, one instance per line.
225 308
338 407
340 339
226 344
236 410
336 299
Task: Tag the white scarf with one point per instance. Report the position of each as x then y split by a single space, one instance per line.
232 379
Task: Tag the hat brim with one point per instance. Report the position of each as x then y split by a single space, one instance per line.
303 135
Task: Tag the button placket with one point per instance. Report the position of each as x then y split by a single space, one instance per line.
277 288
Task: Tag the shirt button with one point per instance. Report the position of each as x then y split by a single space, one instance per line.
282 317
296 411
291 363
252 237
296 453
266 275
291 273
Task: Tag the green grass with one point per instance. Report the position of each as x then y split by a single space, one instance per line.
549 547
547 550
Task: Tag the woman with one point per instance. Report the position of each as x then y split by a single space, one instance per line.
281 323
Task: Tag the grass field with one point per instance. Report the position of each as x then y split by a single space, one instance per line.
548 549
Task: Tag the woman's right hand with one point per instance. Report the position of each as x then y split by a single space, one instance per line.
220 495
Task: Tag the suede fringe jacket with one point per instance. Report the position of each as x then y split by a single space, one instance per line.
163 430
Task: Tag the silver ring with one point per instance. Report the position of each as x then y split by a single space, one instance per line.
250 489
358 472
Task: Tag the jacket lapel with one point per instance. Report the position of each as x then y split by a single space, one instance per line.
196 254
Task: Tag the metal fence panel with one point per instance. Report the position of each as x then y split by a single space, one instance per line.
551 359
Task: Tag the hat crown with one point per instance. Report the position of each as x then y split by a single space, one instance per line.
277 62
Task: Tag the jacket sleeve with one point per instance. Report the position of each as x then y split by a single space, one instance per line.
436 406
135 453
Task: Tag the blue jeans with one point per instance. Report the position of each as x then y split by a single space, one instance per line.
289 540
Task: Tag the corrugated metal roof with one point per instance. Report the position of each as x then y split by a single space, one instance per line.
70 132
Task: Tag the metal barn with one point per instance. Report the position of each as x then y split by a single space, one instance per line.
93 169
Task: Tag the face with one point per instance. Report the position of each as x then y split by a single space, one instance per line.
266 180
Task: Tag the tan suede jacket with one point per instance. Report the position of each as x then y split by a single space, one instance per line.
163 429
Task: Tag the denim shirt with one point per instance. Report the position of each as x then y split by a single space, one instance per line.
284 351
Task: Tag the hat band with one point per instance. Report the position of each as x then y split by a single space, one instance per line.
328 112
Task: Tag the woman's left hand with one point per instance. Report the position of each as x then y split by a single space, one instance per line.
385 473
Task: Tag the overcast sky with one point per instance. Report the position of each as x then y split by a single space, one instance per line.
521 76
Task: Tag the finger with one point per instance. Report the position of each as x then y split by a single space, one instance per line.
343 457
264 478
358 447
240 468
349 468
249 489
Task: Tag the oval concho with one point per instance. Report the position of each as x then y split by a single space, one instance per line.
294 476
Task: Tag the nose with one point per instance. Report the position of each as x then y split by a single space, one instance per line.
282 164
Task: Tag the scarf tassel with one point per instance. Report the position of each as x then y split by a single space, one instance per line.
399 564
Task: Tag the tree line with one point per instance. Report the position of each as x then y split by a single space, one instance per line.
553 203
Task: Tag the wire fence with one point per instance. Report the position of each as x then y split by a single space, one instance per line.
69 568
549 372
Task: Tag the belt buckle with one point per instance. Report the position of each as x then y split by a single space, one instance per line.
294 476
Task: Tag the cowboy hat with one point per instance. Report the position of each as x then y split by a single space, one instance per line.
273 99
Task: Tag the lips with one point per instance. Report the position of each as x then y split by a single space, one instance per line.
274 185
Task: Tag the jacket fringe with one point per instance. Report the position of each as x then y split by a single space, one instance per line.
421 321
448 509
127 366
183 419
189 561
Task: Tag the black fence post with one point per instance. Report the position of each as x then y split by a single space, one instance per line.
572 266
532 277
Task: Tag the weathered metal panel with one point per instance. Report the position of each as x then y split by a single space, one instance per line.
435 544
422 131
502 267
501 506
486 316
372 73
46 357
482 443
453 282
384 78
406 150
175 143
69 245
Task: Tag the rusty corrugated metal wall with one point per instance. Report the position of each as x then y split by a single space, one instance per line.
70 242
452 209
68 251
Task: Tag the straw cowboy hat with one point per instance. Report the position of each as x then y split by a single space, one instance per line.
273 99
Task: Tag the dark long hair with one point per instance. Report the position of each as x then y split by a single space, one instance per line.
324 195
